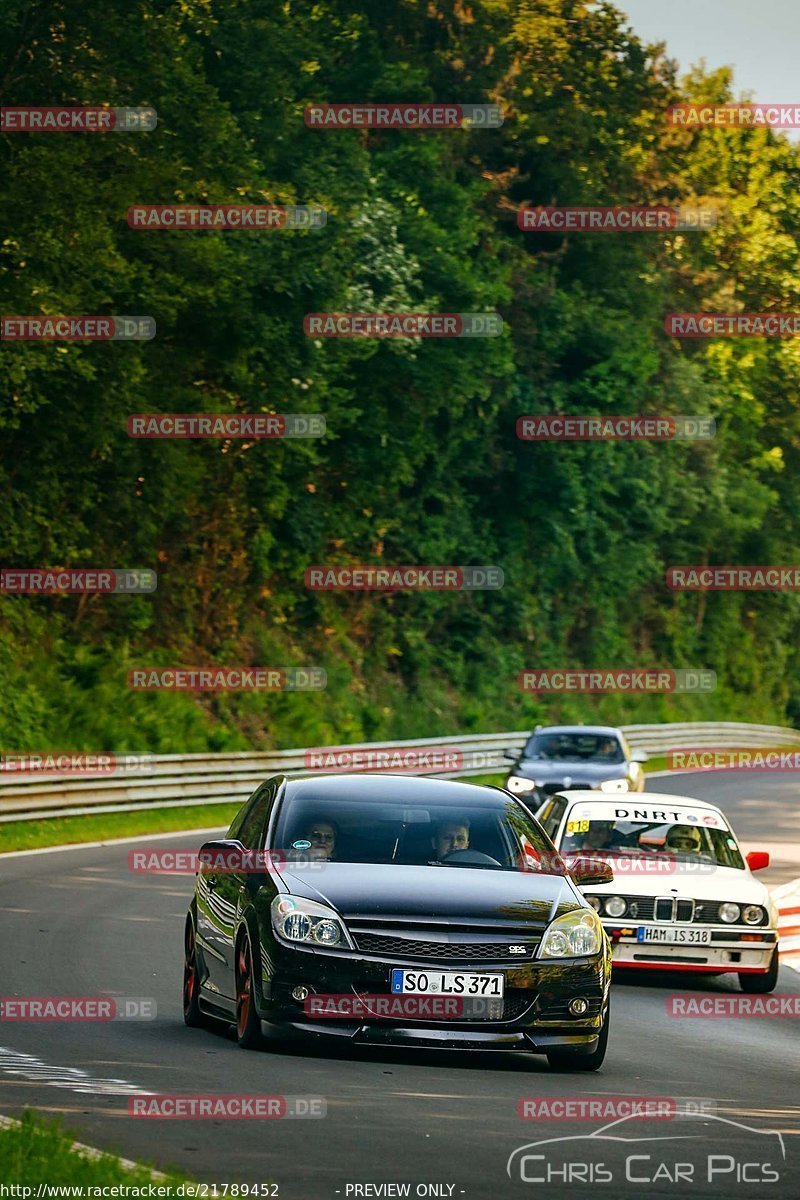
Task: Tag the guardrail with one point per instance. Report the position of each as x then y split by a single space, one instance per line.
183 780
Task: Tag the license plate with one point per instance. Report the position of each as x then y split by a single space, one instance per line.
694 937
446 983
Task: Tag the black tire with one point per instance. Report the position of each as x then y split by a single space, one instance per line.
192 1013
248 1024
759 984
575 1060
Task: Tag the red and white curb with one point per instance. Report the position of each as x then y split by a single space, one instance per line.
787 899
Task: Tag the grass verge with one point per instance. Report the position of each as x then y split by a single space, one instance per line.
37 1151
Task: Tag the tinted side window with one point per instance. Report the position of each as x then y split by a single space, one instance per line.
252 832
249 821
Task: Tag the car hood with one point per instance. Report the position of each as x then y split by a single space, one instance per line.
566 773
419 893
721 883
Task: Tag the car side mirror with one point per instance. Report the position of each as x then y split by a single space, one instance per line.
510 756
586 870
211 854
640 756
757 860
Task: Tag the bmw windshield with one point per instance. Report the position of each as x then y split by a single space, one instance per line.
643 832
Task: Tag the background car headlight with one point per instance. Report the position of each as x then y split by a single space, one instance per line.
614 785
516 783
296 919
729 913
753 914
572 936
615 906
595 902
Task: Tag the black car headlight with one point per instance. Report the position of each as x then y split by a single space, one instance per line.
574 935
296 919
518 783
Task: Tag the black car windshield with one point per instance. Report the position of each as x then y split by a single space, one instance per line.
689 836
574 747
494 834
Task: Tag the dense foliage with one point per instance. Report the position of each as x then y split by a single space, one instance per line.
421 463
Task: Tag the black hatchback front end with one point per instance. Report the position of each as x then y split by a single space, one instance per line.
396 939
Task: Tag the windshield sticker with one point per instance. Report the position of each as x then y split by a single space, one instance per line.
655 814
302 844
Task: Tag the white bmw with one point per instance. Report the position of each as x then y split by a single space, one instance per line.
684 898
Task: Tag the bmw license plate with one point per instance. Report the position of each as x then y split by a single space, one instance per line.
694 937
445 983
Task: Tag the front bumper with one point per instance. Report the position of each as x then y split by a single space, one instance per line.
534 1017
726 952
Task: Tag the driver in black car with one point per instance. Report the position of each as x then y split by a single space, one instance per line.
450 836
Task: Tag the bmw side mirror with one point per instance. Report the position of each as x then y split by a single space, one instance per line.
757 860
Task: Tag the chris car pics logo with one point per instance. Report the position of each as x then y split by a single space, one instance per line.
705 1149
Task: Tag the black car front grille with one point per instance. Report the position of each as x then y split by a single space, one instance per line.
551 789
390 945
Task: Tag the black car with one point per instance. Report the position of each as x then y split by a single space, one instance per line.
336 905
558 757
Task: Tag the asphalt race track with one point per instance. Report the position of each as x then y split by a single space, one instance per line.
78 923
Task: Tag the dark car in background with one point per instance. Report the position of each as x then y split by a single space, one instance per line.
558 757
381 889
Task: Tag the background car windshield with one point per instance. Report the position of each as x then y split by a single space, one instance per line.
496 834
574 747
646 838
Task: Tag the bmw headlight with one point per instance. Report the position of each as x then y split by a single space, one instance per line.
615 906
595 902
729 913
296 919
516 783
753 914
574 935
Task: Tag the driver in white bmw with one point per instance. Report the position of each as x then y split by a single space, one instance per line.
684 839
